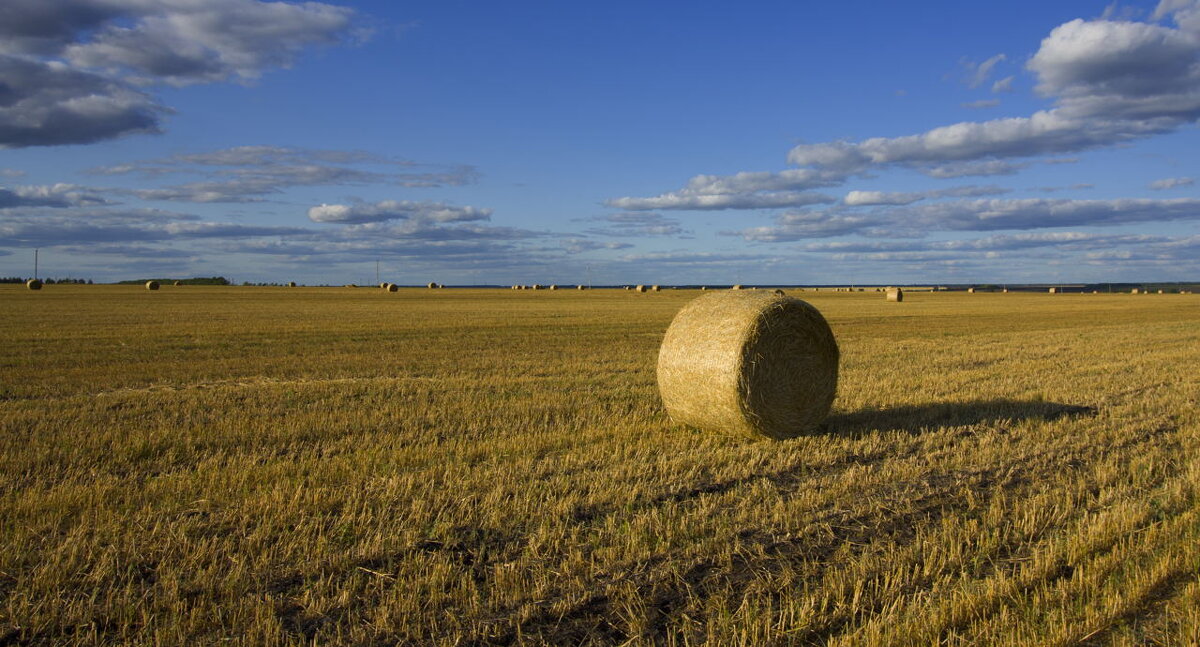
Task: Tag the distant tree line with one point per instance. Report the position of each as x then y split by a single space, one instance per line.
198 280
64 281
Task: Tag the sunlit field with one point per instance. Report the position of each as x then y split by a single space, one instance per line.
275 466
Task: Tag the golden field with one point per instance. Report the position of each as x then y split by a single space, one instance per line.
275 466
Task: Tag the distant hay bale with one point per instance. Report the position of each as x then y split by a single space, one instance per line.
1005 290
640 288
1053 290
1134 291
654 288
553 286
177 283
754 363
392 287
151 285
736 287
1160 292
703 288
291 284
581 287
895 294
971 290
432 285
33 284
383 286
535 286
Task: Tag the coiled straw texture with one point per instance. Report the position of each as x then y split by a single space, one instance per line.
754 363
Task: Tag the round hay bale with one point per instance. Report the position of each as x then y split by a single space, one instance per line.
581 287
971 290
703 288
1005 290
432 285
151 285
535 286
392 287
383 286
1053 290
1160 292
736 287
291 284
553 286
752 363
640 288
33 284
1134 291
654 288
895 294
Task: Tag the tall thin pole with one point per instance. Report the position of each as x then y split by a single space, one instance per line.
35 263
377 270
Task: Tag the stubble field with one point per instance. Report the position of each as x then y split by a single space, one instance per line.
274 466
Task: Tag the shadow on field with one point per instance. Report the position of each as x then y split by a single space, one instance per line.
924 418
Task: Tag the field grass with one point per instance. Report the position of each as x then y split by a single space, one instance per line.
274 466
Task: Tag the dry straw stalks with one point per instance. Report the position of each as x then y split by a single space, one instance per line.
760 364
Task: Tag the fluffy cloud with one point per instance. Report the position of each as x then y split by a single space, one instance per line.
1111 81
49 104
746 190
870 198
57 195
69 66
395 210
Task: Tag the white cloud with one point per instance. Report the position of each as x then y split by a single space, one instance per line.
978 73
56 195
69 65
972 215
359 213
982 103
1003 85
1171 183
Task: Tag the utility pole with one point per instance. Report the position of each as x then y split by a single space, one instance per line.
589 276
377 271
35 263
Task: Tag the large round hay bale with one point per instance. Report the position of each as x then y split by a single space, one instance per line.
553 286
971 290
392 287
895 294
640 288
1053 290
432 285
753 363
33 284
654 288
628 287
151 285
291 284
536 286
736 287
581 287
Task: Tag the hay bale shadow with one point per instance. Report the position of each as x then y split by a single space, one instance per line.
926 418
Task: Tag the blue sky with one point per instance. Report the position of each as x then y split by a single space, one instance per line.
699 142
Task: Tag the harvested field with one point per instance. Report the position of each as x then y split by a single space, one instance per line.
317 465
